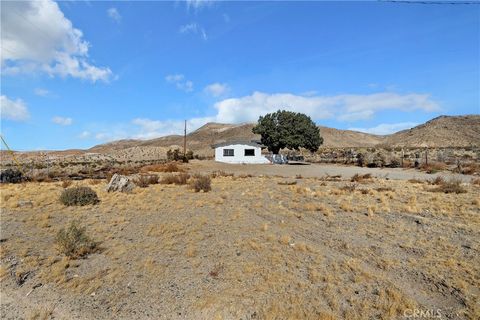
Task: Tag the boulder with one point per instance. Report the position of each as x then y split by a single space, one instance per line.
120 183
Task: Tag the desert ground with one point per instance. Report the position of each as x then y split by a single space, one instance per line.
267 242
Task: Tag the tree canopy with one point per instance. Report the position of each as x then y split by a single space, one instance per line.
286 129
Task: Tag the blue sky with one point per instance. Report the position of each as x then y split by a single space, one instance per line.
76 74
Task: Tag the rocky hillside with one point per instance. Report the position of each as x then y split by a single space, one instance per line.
444 131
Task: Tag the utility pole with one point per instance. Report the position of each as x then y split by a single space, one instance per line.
185 143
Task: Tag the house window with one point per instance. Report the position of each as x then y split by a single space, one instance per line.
249 152
228 152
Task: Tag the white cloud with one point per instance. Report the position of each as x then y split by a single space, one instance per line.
249 108
37 37
85 135
217 89
180 82
387 128
41 92
114 14
341 107
62 121
193 28
150 129
15 110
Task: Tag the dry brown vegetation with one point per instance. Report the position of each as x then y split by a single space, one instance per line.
249 248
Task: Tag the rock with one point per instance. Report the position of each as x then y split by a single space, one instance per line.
25 203
120 183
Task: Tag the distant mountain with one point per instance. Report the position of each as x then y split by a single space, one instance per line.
443 131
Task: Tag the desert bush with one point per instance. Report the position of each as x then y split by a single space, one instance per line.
66 184
74 242
471 168
476 181
171 167
437 181
451 186
359 177
179 179
11 176
78 196
433 167
201 183
144 180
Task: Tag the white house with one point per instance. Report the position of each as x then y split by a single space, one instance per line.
239 152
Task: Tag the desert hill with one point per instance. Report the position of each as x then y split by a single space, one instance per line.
443 131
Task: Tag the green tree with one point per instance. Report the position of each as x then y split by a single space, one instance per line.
285 129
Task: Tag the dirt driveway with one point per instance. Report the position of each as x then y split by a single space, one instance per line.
319 170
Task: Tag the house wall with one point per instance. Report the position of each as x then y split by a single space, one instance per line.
239 151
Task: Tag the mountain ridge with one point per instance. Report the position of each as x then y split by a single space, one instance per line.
442 131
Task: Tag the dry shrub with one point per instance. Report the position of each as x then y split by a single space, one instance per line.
78 196
361 177
178 179
74 242
476 181
244 176
219 173
41 177
437 181
201 183
451 186
66 184
11 176
383 189
433 167
471 168
168 167
349 187
144 180
298 176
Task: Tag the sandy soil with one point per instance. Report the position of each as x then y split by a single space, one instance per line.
252 248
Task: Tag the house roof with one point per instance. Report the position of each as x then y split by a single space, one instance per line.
251 143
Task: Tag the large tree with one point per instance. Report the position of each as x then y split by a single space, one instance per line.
285 129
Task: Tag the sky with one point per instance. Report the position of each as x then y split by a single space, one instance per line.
77 74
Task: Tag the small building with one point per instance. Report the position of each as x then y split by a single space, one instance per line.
239 152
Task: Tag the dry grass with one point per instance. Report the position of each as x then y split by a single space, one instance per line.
360 178
74 242
144 180
308 251
178 179
167 167
201 183
450 186
433 167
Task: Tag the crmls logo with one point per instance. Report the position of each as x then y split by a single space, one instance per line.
422 314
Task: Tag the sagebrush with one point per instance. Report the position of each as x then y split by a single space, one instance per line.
74 242
79 196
